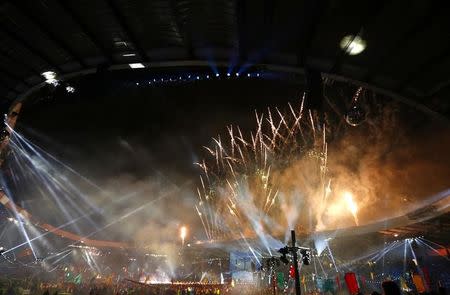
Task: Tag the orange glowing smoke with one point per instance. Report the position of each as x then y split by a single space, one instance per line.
351 205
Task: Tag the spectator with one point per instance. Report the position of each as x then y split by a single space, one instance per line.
390 288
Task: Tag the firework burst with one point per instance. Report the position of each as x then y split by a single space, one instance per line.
269 181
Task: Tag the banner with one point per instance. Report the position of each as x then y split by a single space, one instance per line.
352 283
280 280
418 282
338 282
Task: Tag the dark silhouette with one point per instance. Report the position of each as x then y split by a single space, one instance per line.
390 288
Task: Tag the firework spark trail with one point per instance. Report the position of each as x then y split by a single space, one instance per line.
241 166
202 205
208 199
203 223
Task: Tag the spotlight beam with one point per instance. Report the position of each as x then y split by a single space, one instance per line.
332 258
433 249
419 269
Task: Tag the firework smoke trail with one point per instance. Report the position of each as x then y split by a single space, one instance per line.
241 178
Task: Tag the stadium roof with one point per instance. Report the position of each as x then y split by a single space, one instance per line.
407 41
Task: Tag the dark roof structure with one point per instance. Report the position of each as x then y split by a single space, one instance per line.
407 41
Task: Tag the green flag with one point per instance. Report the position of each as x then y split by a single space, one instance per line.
328 285
280 280
77 279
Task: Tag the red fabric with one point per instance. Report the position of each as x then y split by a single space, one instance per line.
363 282
338 282
352 283
426 275
291 272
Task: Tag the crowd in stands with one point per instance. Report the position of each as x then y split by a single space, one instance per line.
125 287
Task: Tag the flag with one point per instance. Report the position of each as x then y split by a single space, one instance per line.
418 282
338 282
352 283
77 279
280 280
363 281
426 276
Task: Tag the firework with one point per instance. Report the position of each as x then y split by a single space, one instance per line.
183 234
244 188
351 205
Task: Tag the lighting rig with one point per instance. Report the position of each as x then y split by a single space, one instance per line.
195 77
293 250
53 79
